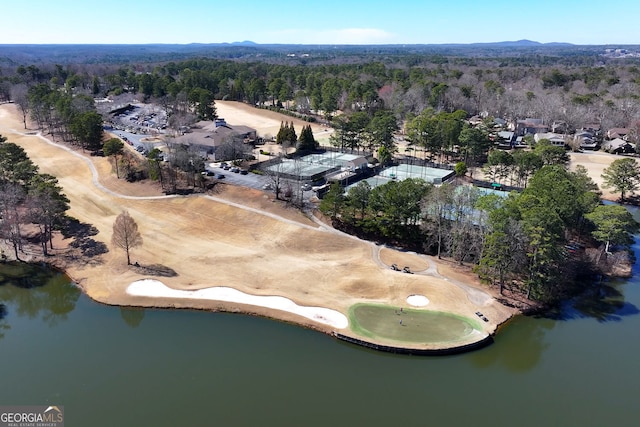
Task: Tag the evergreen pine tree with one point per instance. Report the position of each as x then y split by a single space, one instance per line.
306 141
282 133
292 133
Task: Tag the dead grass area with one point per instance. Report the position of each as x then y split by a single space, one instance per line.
462 273
240 113
595 162
266 122
108 178
260 200
194 242
402 259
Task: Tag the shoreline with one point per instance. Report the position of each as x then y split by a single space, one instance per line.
291 317
211 243
238 306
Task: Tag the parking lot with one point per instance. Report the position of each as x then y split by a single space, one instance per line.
252 180
133 139
140 118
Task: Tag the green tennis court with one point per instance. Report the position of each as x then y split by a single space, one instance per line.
411 325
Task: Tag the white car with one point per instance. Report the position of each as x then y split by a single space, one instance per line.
320 187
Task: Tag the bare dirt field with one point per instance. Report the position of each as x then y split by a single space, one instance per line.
206 242
266 122
596 162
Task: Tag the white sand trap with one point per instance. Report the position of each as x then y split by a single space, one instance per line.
155 288
417 300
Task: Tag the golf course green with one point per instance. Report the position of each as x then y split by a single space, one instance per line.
411 325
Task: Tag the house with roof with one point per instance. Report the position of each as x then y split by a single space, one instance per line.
504 139
359 163
554 138
206 136
530 126
594 128
586 139
618 146
475 120
561 127
499 122
614 133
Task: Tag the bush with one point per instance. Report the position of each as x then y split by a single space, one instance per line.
135 175
460 169
290 113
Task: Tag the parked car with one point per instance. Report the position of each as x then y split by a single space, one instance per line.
220 176
235 169
243 171
226 167
267 186
305 187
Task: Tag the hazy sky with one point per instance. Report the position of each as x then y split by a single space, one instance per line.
319 22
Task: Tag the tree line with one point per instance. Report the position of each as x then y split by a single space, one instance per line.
28 197
61 112
367 100
533 242
554 90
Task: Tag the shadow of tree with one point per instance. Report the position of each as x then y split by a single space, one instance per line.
132 316
156 270
526 341
3 325
25 275
74 228
605 303
34 290
82 234
214 187
89 247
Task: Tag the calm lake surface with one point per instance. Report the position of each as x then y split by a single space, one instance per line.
111 366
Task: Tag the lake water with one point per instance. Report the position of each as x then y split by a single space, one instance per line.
112 366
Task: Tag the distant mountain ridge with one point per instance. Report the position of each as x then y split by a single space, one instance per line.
250 50
516 43
520 43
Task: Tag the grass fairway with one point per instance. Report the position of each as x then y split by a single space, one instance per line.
410 325
266 248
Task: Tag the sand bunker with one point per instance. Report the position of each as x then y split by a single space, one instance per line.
417 300
155 288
